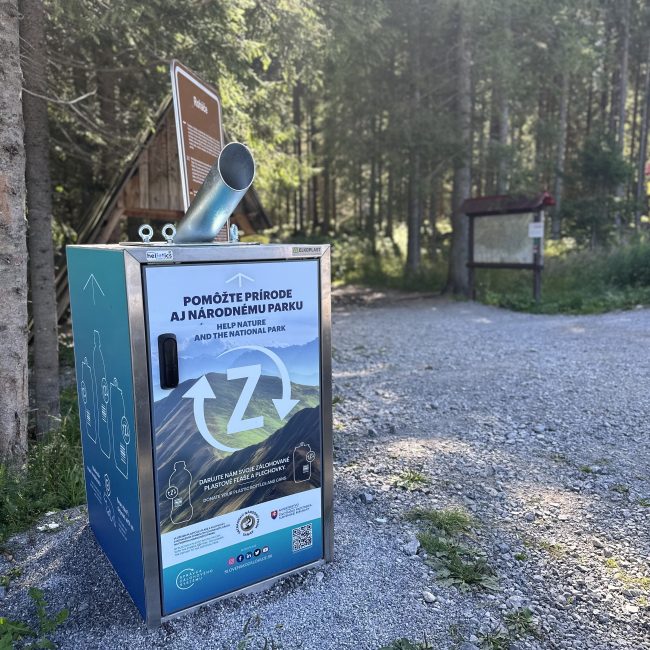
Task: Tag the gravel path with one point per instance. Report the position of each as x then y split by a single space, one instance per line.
535 425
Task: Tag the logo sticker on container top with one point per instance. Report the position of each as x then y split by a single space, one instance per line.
160 256
305 250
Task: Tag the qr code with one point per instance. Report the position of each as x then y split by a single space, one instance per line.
301 537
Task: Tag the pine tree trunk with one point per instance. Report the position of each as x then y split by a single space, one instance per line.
313 145
560 157
504 130
415 168
325 224
622 99
389 204
372 195
458 279
45 366
641 198
297 123
106 92
13 261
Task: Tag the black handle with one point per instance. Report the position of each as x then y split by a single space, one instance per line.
168 359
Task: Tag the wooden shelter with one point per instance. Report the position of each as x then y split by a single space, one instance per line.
148 190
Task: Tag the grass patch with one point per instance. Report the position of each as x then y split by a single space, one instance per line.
445 537
253 638
495 640
553 549
411 479
52 479
629 580
521 623
586 469
620 488
521 557
638 582
645 502
450 522
575 282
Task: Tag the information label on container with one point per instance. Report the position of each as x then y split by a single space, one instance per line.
238 442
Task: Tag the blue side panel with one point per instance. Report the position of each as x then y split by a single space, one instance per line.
100 327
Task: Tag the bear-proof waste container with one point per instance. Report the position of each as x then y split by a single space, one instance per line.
204 380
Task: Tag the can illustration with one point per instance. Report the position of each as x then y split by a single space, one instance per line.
302 460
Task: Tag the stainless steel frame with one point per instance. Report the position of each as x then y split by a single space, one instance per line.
134 259
140 370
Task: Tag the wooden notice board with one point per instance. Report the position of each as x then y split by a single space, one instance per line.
199 131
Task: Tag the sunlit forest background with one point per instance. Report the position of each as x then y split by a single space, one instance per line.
371 120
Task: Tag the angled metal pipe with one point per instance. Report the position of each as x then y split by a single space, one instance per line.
223 188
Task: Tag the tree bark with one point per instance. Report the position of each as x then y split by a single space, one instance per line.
297 123
389 203
372 194
556 223
504 108
641 197
45 364
622 99
13 261
314 178
415 169
458 279
325 224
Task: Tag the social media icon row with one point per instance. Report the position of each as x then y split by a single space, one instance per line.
248 555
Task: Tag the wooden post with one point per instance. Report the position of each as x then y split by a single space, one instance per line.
470 259
538 260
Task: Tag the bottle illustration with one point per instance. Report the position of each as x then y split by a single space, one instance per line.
179 493
303 457
101 396
108 504
120 431
88 400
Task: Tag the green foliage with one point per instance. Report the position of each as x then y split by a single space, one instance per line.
579 282
354 263
13 632
497 639
411 479
450 522
252 636
445 536
12 574
554 549
52 479
521 623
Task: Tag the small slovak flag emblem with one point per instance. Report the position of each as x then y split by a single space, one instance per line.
274 514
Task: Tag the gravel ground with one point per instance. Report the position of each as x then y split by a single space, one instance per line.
535 425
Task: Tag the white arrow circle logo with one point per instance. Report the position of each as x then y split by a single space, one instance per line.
202 390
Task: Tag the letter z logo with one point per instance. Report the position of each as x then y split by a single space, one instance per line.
237 423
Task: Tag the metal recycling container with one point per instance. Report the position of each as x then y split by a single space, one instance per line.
204 380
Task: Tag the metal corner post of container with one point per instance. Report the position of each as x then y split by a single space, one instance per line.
204 379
